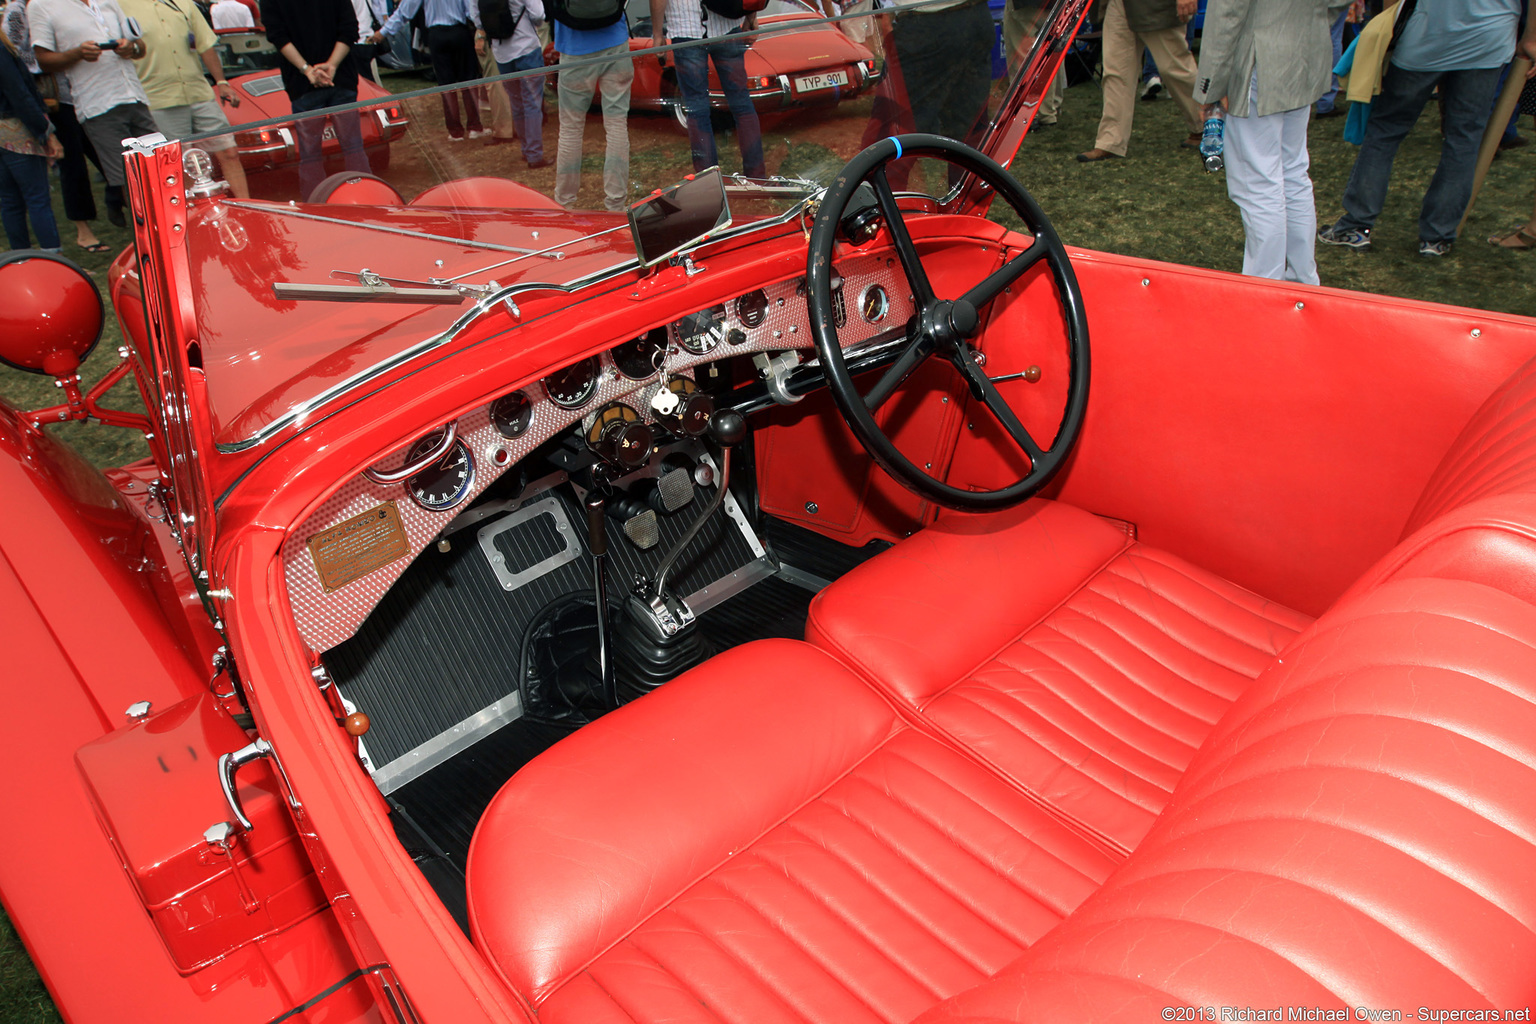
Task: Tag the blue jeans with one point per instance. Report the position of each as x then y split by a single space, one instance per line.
527 98
24 193
730 60
1326 101
1468 95
310 131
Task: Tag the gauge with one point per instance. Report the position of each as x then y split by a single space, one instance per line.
839 307
572 387
618 435
512 414
688 409
641 358
447 481
702 331
752 308
874 304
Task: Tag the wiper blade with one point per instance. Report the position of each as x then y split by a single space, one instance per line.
372 288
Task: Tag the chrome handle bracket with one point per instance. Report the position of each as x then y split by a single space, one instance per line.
410 469
229 764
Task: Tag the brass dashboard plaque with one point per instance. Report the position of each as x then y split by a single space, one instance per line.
356 547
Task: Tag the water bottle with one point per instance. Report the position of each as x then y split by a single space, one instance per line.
1211 141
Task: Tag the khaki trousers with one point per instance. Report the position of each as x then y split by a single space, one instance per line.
1018 35
1122 73
499 118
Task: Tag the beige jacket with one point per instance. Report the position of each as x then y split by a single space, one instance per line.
1286 41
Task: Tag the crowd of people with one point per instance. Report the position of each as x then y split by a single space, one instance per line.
78 77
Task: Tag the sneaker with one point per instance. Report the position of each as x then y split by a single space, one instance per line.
1352 238
455 136
1151 88
1434 248
479 133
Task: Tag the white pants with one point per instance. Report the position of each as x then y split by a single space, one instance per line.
1267 178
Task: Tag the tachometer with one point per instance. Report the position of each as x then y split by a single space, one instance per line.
699 332
572 387
512 414
447 481
641 358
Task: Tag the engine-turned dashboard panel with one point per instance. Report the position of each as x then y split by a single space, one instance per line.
339 563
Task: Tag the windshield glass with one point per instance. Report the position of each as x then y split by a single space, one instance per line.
362 230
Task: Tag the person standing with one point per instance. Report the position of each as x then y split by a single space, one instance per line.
720 40
27 143
603 65
314 38
180 43
521 51
451 40
1270 60
1461 48
110 102
1130 25
232 15
370 15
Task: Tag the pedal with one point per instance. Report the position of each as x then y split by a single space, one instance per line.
674 489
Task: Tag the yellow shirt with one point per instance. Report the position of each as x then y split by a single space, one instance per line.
172 71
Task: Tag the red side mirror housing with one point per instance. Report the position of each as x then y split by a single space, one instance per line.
52 315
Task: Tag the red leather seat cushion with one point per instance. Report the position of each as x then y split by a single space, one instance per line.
1086 667
762 839
1359 831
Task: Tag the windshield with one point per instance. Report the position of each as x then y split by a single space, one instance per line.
359 233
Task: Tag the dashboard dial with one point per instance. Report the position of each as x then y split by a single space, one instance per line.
874 304
752 308
619 436
512 414
447 481
573 387
699 332
641 358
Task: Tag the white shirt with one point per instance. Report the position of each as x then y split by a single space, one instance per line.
232 14
369 11
525 38
690 19
99 85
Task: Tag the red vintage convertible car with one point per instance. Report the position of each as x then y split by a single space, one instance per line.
750 609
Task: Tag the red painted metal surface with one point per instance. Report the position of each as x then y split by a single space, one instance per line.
52 315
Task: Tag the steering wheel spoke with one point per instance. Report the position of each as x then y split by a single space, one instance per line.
987 394
1006 274
911 357
917 276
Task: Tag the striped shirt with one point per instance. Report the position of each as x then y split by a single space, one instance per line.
689 19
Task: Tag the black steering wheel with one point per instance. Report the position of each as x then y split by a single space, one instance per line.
944 327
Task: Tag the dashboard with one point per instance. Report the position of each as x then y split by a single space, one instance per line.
342 560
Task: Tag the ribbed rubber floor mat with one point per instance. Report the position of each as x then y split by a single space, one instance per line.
811 552
772 608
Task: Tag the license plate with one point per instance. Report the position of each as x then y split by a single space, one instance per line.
329 133
810 83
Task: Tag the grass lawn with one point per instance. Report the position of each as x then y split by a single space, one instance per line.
1157 203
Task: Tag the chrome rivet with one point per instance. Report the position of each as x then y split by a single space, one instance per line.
1300 306
970 426
794 328
1477 332
175 201
927 465
945 400
810 507
1146 281
438 262
176 228
170 179
138 709
444 545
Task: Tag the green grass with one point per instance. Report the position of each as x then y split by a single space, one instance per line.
1157 203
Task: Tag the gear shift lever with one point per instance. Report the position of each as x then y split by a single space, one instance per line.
726 428
597 541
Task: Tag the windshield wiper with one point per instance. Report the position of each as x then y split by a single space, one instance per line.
372 287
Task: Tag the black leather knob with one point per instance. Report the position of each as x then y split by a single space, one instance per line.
727 427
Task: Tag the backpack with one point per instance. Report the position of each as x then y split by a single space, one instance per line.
496 18
734 9
584 14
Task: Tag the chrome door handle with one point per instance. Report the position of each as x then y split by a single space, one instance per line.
229 764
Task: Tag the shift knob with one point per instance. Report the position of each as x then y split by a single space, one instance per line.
727 427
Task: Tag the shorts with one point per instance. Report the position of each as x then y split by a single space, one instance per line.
195 119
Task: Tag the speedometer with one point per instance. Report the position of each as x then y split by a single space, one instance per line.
572 387
699 332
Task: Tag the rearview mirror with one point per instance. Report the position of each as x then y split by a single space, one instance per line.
52 315
678 217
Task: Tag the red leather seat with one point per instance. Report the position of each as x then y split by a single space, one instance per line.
1082 665
760 840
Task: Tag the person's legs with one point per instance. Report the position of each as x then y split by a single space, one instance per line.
573 92
526 102
440 43
28 197
1300 204
1325 103
13 204
1055 95
106 132
730 57
1401 100
74 176
1121 47
1256 185
693 82
466 68
1177 67
308 132
616 80
967 34
1468 98
502 99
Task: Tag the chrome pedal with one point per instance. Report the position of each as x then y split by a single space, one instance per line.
643 531
675 488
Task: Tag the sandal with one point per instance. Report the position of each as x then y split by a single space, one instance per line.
1516 239
98 247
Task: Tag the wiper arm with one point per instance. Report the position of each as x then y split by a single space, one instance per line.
373 288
